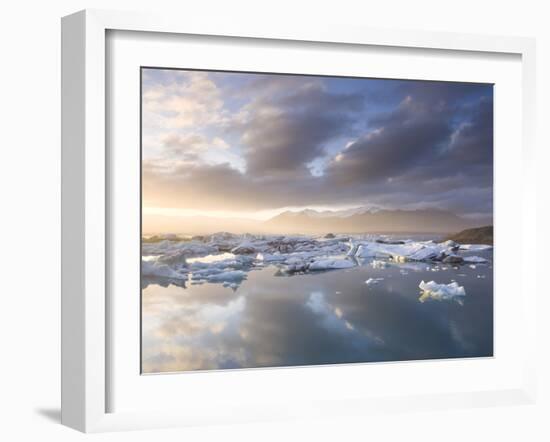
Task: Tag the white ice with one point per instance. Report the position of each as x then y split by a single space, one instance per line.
474 259
434 290
159 270
475 247
224 257
328 264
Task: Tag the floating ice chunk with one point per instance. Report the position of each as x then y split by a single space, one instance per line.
450 244
237 263
371 281
295 264
244 248
217 257
453 259
364 251
353 249
424 254
402 251
474 259
183 249
153 268
331 263
472 266
475 247
413 251
267 257
173 258
434 290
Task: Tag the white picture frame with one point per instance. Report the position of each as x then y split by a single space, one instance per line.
86 207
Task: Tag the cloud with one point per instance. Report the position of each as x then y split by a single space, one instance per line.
403 139
183 145
187 99
472 142
284 130
250 142
190 144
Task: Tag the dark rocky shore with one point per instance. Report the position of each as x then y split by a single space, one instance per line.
479 235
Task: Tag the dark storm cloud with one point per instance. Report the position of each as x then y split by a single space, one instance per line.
289 129
414 144
420 151
402 139
451 94
472 144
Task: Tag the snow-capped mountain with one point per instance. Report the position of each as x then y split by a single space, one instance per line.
367 219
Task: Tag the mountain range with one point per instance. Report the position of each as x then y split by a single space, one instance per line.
309 221
369 221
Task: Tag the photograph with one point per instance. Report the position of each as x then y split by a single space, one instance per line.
292 220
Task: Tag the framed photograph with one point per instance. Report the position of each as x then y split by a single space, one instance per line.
265 222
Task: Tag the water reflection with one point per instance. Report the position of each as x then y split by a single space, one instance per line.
326 318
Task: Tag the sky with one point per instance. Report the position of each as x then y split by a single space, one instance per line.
252 145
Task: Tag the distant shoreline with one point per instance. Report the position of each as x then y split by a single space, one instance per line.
479 235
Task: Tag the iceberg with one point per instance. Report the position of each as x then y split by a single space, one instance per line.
364 251
434 290
353 249
206 258
474 259
187 249
425 254
294 265
400 251
329 264
159 270
267 257
244 248
475 247
453 259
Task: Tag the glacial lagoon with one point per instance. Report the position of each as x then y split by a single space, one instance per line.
205 308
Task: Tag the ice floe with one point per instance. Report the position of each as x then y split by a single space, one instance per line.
434 290
327 264
156 269
244 248
474 259
227 258
475 247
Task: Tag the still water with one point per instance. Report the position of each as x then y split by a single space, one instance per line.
322 318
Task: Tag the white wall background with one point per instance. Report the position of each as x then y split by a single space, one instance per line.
30 220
